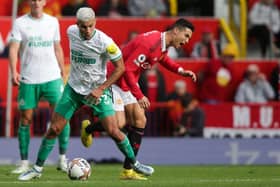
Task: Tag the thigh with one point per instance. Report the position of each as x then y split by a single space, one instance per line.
110 125
109 122
69 102
26 116
28 96
52 91
135 115
120 116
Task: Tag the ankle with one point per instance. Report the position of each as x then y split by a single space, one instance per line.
62 157
37 168
24 162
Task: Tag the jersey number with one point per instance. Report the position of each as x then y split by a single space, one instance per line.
141 62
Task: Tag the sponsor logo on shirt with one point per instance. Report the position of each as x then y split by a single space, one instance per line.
78 57
37 41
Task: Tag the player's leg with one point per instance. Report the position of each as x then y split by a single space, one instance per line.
87 128
124 146
118 105
104 110
136 119
23 140
57 124
27 100
52 92
64 110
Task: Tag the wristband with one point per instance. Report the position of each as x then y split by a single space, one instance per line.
180 70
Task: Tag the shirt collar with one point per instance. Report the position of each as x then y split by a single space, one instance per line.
163 43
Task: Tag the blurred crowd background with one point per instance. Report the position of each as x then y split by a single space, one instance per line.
235 52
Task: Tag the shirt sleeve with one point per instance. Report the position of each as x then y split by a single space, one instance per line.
57 31
15 34
169 64
112 50
132 81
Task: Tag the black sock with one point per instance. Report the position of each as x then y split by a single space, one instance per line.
125 129
135 137
96 127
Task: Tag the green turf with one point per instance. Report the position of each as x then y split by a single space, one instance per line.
167 176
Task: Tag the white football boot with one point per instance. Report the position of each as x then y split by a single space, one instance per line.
33 173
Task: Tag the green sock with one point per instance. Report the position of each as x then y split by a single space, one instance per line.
63 139
23 139
44 151
125 147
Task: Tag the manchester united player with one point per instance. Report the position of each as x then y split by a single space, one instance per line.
139 55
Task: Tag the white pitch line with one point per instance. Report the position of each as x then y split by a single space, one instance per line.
245 180
40 181
234 180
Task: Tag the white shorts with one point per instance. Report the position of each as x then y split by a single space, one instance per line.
121 98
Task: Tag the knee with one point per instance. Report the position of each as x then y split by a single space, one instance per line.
53 131
121 123
140 122
114 133
25 120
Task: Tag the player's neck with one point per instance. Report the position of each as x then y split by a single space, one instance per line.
36 15
168 38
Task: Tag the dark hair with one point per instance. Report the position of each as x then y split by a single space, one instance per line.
182 23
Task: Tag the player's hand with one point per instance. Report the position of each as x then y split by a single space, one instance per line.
144 102
188 73
94 96
63 74
16 79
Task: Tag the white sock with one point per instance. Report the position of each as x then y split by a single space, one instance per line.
24 162
62 157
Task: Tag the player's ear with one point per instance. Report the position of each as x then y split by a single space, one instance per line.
94 23
175 30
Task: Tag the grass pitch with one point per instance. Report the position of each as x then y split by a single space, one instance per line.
164 176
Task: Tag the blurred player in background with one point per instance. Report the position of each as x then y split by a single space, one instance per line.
90 50
139 55
215 81
35 36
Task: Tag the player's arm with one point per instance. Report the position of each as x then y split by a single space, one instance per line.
116 74
59 57
132 82
115 56
13 59
58 50
14 47
169 64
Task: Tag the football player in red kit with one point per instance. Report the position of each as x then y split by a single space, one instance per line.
141 54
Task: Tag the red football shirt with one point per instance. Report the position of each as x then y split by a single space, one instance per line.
141 54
